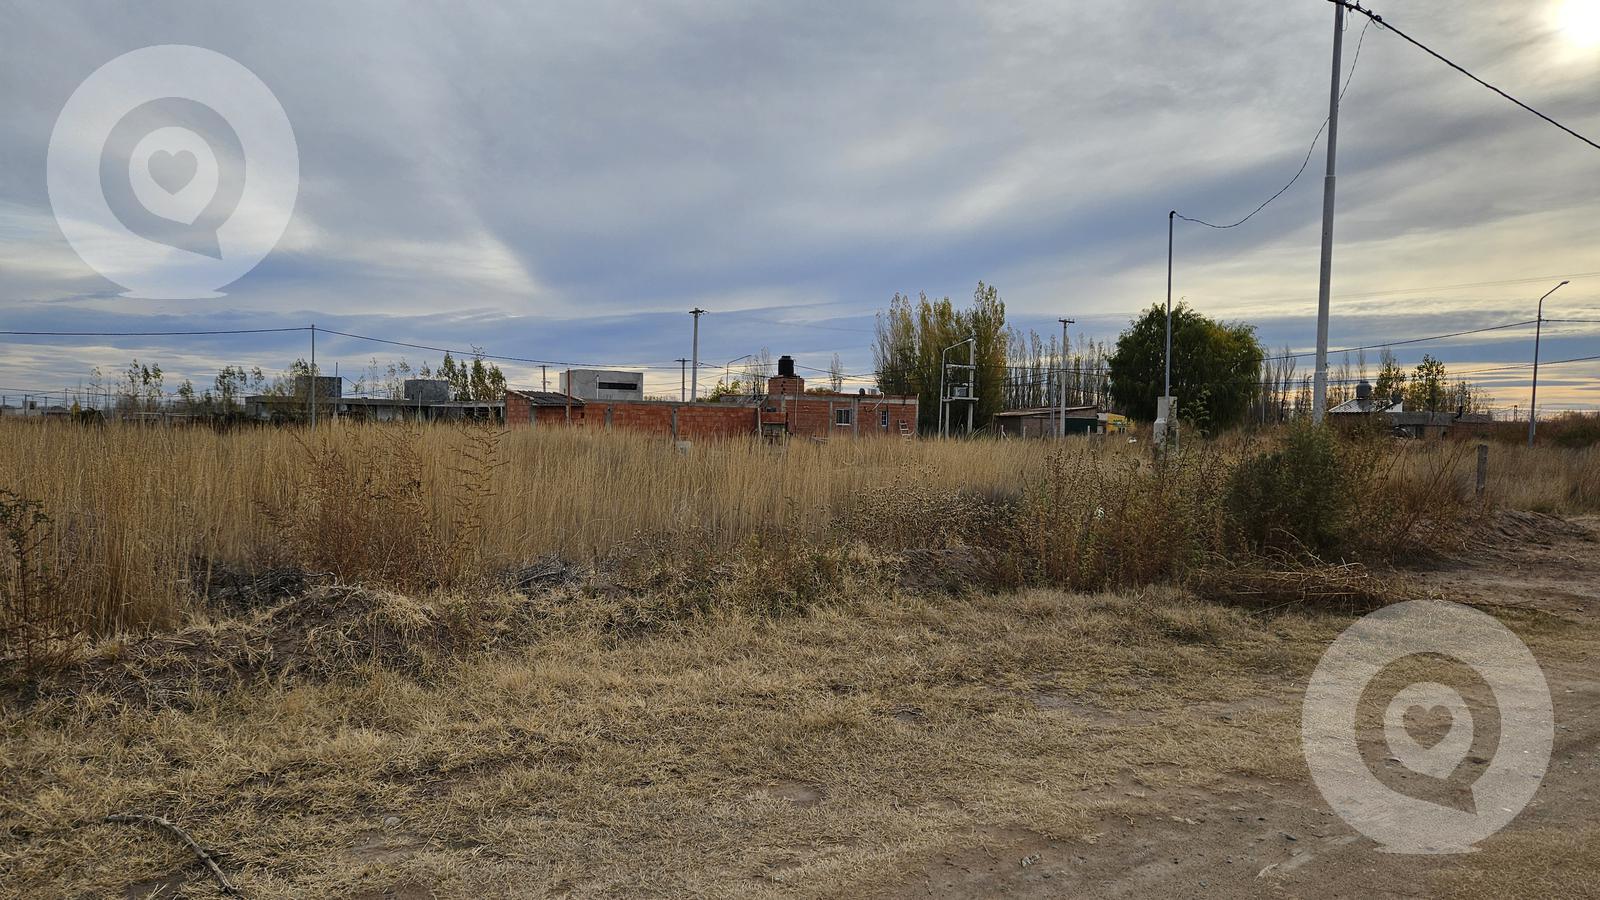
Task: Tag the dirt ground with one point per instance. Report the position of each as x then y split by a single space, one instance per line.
1252 837
1031 745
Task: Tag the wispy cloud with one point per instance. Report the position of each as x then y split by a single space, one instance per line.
567 180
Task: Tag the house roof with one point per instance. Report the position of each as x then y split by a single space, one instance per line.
547 398
1356 406
1049 411
1440 418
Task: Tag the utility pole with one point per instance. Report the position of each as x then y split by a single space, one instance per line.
1319 390
1166 390
972 382
1533 401
945 385
694 370
544 378
313 390
683 390
1064 324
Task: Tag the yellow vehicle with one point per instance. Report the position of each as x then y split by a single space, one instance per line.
1112 423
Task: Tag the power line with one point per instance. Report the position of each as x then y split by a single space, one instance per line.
1516 366
1420 340
1383 23
154 333
1309 150
482 355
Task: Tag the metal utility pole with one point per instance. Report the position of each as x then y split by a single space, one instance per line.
944 385
694 370
1319 390
313 389
1538 331
972 382
683 379
1064 324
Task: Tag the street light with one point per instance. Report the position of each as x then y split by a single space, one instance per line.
1538 330
729 363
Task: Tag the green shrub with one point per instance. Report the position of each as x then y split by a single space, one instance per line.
1300 497
1575 431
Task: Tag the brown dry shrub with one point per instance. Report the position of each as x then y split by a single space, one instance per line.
369 510
328 633
38 618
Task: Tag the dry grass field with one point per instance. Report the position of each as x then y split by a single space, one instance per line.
375 663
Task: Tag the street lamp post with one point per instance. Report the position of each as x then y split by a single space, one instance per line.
1538 331
728 365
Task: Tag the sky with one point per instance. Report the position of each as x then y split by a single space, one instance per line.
563 181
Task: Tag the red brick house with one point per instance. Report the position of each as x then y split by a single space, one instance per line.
787 410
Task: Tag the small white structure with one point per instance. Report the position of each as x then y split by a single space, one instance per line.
1166 418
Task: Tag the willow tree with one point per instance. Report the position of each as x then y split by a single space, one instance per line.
1215 367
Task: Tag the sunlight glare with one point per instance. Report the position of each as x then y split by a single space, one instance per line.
1580 20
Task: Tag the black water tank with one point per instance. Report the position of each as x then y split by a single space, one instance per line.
785 367
1364 391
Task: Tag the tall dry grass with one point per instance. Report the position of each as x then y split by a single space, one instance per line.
137 515
136 510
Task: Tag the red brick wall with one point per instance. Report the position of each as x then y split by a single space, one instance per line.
695 421
519 411
814 415
806 414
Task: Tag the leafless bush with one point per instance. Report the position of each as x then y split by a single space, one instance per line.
37 615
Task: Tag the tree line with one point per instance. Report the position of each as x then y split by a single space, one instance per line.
142 387
1221 373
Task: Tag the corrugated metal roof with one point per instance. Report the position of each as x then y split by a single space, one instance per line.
547 398
1049 411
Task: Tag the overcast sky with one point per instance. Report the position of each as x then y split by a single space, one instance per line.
566 180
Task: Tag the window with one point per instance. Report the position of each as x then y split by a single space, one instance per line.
842 416
883 419
618 386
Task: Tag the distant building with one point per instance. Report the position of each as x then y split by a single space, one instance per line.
426 390
1365 404
541 408
424 400
602 384
1045 421
788 410
1392 412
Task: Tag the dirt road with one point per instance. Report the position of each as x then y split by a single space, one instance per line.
1252 837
